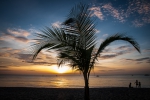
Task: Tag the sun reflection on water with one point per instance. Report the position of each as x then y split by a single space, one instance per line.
61 83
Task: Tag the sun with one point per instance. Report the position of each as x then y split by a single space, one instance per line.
62 69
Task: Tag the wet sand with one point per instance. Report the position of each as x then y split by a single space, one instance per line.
25 93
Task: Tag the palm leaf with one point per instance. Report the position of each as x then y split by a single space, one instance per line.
116 37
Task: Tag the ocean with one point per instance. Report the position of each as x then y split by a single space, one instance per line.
73 81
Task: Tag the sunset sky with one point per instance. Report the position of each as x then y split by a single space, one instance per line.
21 19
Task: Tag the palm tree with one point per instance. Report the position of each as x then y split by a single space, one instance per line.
75 42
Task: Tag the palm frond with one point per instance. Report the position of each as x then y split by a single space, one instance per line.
38 47
50 39
79 22
116 37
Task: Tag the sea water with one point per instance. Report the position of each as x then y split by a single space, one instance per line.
75 81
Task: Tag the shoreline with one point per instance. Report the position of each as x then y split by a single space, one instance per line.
114 93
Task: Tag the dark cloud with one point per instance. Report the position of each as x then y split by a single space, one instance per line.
4 66
143 59
116 52
8 52
39 58
140 60
107 50
3 70
5 43
101 66
146 50
26 57
42 59
116 70
31 70
102 70
114 55
42 63
22 39
148 61
108 69
122 47
112 70
5 54
108 56
5 48
15 34
121 53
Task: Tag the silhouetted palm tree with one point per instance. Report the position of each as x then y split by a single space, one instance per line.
75 42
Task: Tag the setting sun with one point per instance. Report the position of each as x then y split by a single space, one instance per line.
62 69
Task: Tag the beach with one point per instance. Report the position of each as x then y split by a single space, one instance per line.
30 93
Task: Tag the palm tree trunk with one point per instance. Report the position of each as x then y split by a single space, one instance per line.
86 88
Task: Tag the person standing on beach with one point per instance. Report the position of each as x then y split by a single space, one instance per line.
139 84
130 85
136 82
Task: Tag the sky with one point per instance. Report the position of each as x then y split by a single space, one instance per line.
20 20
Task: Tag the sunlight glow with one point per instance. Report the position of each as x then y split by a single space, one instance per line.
63 69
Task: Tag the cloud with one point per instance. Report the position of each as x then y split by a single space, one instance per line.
137 23
145 59
17 38
107 50
113 12
97 12
22 39
139 6
146 50
105 35
107 9
137 12
112 70
122 47
125 50
114 52
31 70
56 24
108 56
19 32
3 70
5 54
3 66
5 48
42 59
43 63
142 10
4 43
26 57
108 69
97 31
125 47
32 30
15 34
8 52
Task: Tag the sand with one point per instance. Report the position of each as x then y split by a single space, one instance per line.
25 93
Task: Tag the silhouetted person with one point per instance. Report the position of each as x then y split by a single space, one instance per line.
139 84
130 85
136 82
